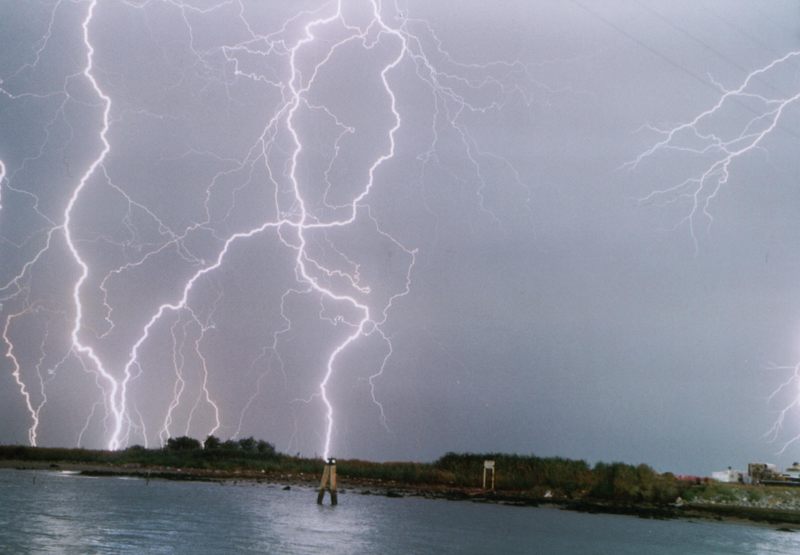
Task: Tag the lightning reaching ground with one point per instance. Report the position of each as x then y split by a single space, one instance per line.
707 148
206 234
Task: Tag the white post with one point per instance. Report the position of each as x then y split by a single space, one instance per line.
488 465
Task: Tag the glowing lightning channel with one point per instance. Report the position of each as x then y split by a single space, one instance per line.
301 253
177 306
2 181
16 373
293 223
697 140
689 138
115 404
205 392
792 385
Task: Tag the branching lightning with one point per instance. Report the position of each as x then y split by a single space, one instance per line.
116 403
717 150
304 208
789 389
2 182
736 125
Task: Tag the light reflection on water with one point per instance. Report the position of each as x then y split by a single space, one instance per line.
63 513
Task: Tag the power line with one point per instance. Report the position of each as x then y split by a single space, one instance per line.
673 63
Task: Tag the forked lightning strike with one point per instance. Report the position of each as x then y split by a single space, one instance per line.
289 63
759 115
696 139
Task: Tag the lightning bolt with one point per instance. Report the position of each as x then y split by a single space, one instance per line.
789 390
736 125
2 181
302 211
116 401
16 286
16 372
717 151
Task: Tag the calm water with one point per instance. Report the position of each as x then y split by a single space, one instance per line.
63 513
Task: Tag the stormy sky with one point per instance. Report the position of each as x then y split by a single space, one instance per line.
432 200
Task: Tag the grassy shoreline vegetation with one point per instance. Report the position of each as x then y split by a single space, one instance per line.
521 479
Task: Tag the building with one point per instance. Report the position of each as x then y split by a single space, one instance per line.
728 476
759 472
793 472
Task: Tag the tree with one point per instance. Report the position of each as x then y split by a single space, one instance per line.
183 443
248 444
265 448
212 442
230 445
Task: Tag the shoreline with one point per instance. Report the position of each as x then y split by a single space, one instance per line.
781 519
